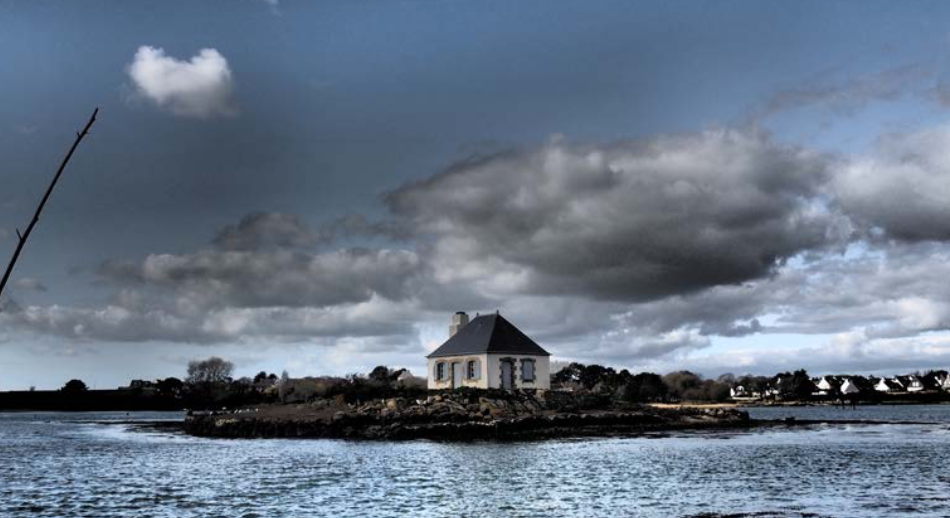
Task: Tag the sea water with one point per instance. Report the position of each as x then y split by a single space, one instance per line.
95 464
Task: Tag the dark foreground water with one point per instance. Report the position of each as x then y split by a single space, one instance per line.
67 465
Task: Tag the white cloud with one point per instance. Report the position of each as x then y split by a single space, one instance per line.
903 187
200 87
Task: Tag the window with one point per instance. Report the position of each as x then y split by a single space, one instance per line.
440 371
472 370
527 370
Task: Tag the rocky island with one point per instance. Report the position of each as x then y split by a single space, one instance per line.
459 415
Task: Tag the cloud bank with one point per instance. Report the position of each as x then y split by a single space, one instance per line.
636 253
633 221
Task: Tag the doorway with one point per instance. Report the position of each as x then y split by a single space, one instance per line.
456 375
507 374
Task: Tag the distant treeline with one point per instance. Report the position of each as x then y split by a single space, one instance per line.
642 387
784 386
209 385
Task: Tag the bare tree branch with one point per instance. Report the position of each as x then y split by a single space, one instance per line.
39 209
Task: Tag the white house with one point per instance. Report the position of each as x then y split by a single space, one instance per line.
488 352
888 385
740 392
945 382
849 387
827 385
911 383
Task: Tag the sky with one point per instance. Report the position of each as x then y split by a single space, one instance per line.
744 187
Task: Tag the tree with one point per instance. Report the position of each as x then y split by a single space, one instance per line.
591 375
75 386
727 378
380 374
569 374
170 386
261 376
283 386
642 387
210 371
651 386
682 384
797 385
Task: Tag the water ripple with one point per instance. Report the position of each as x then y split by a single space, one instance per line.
65 466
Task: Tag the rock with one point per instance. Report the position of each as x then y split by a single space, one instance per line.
459 416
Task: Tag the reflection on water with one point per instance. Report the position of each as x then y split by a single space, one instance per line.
59 465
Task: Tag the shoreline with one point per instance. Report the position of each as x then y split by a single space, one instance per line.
458 415
466 416
450 433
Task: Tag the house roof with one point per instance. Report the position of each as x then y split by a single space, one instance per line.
489 334
890 383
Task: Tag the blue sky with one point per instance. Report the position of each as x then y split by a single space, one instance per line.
317 110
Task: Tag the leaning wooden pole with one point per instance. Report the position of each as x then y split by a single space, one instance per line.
22 237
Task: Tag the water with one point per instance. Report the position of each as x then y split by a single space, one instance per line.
906 413
67 465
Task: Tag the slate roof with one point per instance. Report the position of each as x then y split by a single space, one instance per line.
489 334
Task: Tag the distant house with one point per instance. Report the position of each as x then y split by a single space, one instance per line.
911 383
144 386
738 392
944 380
827 385
849 387
741 392
488 352
888 385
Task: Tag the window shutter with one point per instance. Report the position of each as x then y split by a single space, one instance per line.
527 370
478 369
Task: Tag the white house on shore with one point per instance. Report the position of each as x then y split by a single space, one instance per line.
849 387
488 352
888 385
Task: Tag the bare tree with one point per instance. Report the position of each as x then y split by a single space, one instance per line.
283 386
39 209
210 371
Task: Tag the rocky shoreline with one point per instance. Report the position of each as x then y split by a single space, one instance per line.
460 415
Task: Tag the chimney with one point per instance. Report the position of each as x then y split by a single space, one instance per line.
459 320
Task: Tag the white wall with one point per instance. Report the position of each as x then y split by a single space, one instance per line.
542 371
490 375
481 382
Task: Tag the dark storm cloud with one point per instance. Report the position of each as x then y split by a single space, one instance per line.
214 278
633 221
637 251
259 230
358 225
374 319
263 230
846 96
891 292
